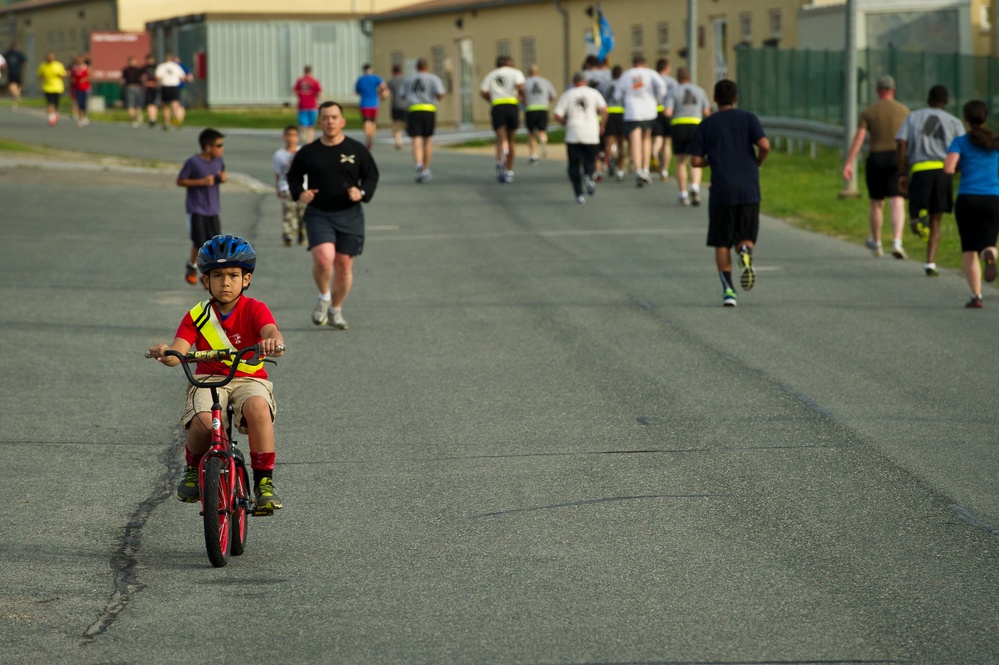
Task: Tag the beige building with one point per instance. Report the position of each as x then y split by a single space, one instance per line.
462 38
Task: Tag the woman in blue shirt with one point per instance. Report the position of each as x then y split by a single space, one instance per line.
977 206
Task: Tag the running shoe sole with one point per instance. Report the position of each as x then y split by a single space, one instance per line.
990 265
748 277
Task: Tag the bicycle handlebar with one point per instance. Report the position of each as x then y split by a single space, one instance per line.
186 359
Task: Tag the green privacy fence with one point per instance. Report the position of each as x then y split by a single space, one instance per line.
808 85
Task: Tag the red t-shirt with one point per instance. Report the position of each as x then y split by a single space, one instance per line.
242 327
307 89
79 77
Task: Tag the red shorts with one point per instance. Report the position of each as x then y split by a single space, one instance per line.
369 114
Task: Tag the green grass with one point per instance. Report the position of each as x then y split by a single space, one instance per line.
805 192
244 118
7 145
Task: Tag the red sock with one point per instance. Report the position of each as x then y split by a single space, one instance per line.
193 459
262 461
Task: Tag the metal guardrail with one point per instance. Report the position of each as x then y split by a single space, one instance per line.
811 131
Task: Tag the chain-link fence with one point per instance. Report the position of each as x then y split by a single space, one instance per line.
809 84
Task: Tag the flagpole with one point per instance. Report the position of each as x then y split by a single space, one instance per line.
692 39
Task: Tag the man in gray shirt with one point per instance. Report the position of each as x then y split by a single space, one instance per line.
922 143
422 91
686 107
538 94
398 105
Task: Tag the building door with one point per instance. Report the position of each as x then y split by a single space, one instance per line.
466 86
721 48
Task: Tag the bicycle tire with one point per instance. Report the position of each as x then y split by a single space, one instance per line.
240 514
218 531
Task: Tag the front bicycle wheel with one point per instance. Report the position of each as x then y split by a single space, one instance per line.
218 530
239 521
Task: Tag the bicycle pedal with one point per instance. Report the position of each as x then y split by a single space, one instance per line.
262 512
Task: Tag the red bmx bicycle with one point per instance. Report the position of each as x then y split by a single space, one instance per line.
222 476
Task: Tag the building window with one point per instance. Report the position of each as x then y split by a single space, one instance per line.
437 61
528 55
503 47
398 59
746 28
775 24
637 39
662 36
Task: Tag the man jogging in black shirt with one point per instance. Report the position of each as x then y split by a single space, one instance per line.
341 174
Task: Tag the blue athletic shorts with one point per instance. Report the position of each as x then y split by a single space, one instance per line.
308 118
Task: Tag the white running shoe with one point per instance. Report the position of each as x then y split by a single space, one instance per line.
319 314
580 199
591 187
336 320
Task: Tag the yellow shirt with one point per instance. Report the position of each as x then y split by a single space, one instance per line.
52 74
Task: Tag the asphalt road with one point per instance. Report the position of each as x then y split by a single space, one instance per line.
542 440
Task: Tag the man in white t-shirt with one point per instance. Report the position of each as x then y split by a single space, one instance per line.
641 89
503 88
583 111
169 76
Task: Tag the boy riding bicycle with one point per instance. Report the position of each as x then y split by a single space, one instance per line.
229 320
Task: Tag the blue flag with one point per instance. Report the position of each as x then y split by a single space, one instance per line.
605 36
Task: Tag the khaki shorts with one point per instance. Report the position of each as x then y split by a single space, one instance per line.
240 389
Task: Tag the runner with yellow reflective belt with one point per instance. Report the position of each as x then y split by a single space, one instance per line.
614 154
921 148
538 95
422 91
662 144
686 106
504 89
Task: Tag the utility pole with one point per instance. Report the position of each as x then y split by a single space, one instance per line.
692 39
850 94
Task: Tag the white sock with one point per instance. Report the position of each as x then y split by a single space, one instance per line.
326 296
696 189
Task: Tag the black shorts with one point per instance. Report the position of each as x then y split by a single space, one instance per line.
421 123
13 77
202 228
169 93
681 134
882 175
632 125
661 126
52 98
731 225
930 192
506 115
536 121
151 96
398 115
977 218
322 227
615 124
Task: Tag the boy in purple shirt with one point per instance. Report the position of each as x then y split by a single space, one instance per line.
202 174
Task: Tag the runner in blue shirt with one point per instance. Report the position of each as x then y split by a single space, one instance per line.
371 88
977 206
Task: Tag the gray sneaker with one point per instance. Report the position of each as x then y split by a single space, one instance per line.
188 491
591 187
319 316
336 320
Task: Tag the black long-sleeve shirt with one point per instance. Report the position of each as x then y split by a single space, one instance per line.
333 170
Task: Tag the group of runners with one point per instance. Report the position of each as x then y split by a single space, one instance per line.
915 155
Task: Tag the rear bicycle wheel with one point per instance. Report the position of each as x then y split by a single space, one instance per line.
218 530
239 521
